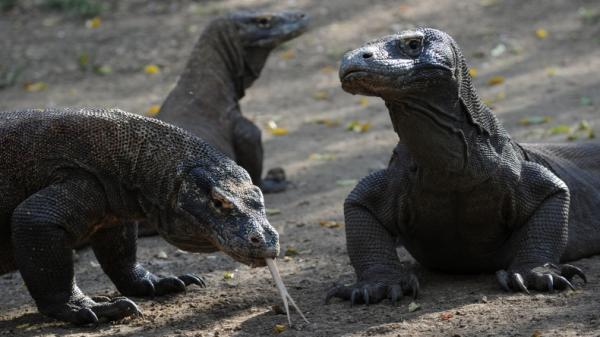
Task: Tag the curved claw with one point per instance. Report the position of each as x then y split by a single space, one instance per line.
517 280
365 293
355 293
414 285
503 279
192 279
563 282
549 282
569 271
395 294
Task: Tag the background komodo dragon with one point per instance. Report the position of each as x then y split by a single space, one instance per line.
459 193
227 58
72 175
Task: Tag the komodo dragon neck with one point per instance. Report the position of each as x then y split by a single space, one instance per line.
212 82
452 137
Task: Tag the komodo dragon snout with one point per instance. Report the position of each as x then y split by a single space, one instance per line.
222 211
268 30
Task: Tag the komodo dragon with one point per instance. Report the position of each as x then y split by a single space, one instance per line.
227 58
459 193
72 175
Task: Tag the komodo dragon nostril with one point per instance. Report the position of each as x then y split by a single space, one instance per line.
255 239
367 55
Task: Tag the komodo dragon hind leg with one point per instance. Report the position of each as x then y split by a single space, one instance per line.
249 154
44 229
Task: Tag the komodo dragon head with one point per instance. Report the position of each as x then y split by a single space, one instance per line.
423 68
245 39
218 208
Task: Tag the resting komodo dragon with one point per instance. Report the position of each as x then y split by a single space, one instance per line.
459 193
68 176
225 61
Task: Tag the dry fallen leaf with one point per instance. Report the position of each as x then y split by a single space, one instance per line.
272 211
550 71
151 69
330 224
276 130
541 33
153 110
445 316
536 333
161 255
228 275
35 86
346 182
495 80
534 120
321 156
93 23
363 101
321 95
328 122
413 307
291 251
473 72
287 54
357 126
279 328
328 69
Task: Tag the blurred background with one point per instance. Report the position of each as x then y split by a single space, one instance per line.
536 63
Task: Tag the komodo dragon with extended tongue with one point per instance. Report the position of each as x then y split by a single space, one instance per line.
68 176
459 193
225 61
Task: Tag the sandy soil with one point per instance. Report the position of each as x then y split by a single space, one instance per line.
558 76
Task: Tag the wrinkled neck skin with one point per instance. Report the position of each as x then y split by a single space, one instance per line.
449 150
213 81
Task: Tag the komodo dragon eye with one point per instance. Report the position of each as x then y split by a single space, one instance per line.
412 45
219 201
264 22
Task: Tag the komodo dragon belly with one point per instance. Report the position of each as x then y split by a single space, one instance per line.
457 232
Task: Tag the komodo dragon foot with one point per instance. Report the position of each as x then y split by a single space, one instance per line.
142 283
375 289
274 181
83 310
545 278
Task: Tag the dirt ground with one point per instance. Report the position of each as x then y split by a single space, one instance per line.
556 74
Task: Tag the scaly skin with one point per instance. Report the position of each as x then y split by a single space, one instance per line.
73 176
459 193
226 60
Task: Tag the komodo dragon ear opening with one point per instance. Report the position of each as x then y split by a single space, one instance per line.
203 179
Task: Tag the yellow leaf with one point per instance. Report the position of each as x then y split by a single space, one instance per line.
291 251
93 23
473 72
321 156
287 55
330 224
153 110
327 69
279 328
495 80
328 122
550 71
279 131
36 86
541 33
272 211
321 95
357 126
228 275
151 69
363 101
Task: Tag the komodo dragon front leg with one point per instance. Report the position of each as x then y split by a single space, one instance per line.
45 228
537 246
115 248
371 239
247 141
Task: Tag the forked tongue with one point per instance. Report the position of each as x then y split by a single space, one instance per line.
285 296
